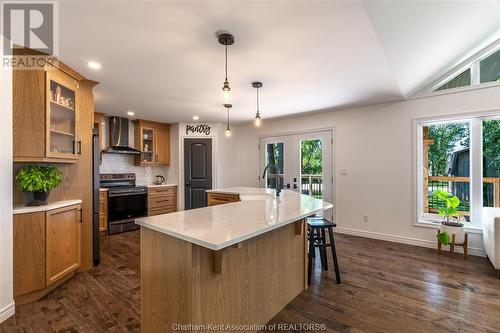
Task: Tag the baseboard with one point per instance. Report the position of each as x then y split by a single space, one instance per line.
7 312
403 240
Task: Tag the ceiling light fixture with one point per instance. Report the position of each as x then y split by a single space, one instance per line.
227 132
196 118
226 40
131 113
257 121
94 65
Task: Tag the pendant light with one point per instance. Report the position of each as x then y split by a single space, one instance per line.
226 40
257 121
227 132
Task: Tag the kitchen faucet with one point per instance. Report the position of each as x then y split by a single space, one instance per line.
277 182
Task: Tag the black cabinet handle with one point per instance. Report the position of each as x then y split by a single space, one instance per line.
80 147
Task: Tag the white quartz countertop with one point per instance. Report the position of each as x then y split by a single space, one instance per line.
50 206
220 226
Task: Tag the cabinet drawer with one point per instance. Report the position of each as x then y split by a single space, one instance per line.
221 198
154 202
161 191
161 210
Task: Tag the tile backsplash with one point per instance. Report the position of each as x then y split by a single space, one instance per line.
123 163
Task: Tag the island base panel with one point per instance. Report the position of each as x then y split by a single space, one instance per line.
257 279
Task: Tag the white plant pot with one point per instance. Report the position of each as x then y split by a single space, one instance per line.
459 233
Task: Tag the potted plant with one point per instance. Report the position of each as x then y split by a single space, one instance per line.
36 181
448 208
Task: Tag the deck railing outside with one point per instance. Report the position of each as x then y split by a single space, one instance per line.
459 186
312 185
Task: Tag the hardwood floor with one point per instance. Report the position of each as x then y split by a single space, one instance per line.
386 287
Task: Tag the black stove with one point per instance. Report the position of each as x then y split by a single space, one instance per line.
126 201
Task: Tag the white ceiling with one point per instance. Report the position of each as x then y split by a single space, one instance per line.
162 59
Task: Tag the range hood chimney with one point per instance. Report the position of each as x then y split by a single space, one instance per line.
118 137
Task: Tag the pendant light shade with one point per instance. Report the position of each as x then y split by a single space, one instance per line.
227 132
258 120
226 40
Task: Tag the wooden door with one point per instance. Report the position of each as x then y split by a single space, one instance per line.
197 171
162 146
63 242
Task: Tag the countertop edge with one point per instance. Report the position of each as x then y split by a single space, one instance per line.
162 185
217 247
45 208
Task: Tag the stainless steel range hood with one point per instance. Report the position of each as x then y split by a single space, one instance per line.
118 137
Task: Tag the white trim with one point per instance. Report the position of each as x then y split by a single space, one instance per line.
7 312
469 228
403 240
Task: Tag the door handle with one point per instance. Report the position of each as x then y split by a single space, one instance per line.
188 185
295 186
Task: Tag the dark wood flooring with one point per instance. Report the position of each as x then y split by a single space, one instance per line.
387 287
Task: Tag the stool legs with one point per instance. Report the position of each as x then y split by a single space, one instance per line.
310 255
334 255
324 261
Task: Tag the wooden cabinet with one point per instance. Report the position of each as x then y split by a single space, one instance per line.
103 211
216 198
162 200
62 242
46 116
46 250
153 140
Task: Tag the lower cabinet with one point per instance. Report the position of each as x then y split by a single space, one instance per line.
103 212
46 251
216 198
162 200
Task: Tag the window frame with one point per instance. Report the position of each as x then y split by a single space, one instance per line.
476 166
471 63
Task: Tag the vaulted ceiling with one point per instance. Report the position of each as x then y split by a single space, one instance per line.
162 60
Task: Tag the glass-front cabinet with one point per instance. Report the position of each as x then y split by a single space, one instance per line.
62 116
147 145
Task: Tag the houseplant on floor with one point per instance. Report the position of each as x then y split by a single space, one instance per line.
36 181
448 208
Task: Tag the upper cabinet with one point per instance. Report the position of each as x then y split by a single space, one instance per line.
153 140
46 111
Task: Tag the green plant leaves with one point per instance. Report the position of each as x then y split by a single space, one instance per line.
444 238
453 202
449 203
38 178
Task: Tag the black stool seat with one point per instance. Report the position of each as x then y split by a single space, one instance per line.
317 227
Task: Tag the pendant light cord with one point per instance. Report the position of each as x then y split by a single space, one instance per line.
227 118
257 100
226 63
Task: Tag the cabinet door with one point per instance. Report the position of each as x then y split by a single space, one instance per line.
103 211
63 242
62 139
147 147
162 146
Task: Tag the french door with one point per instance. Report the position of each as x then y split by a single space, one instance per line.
300 162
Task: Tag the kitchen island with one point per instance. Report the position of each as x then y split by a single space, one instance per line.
234 264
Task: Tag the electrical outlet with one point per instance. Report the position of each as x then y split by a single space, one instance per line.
365 218
343 172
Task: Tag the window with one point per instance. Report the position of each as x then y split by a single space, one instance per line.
483 67
490 68
461 157
274 158
461 80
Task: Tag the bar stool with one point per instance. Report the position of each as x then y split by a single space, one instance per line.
316 230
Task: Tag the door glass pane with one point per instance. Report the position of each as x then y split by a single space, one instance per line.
62 119
446 165
274 159
489 68
491 163
311 167
147 145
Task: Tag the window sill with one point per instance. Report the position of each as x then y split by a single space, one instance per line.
469 228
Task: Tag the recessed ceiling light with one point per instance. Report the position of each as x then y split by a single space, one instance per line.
196 118
94 65
130 113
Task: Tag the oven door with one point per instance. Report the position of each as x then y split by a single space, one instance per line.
126 206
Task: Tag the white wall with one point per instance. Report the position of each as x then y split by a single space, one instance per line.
374 143
6 270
